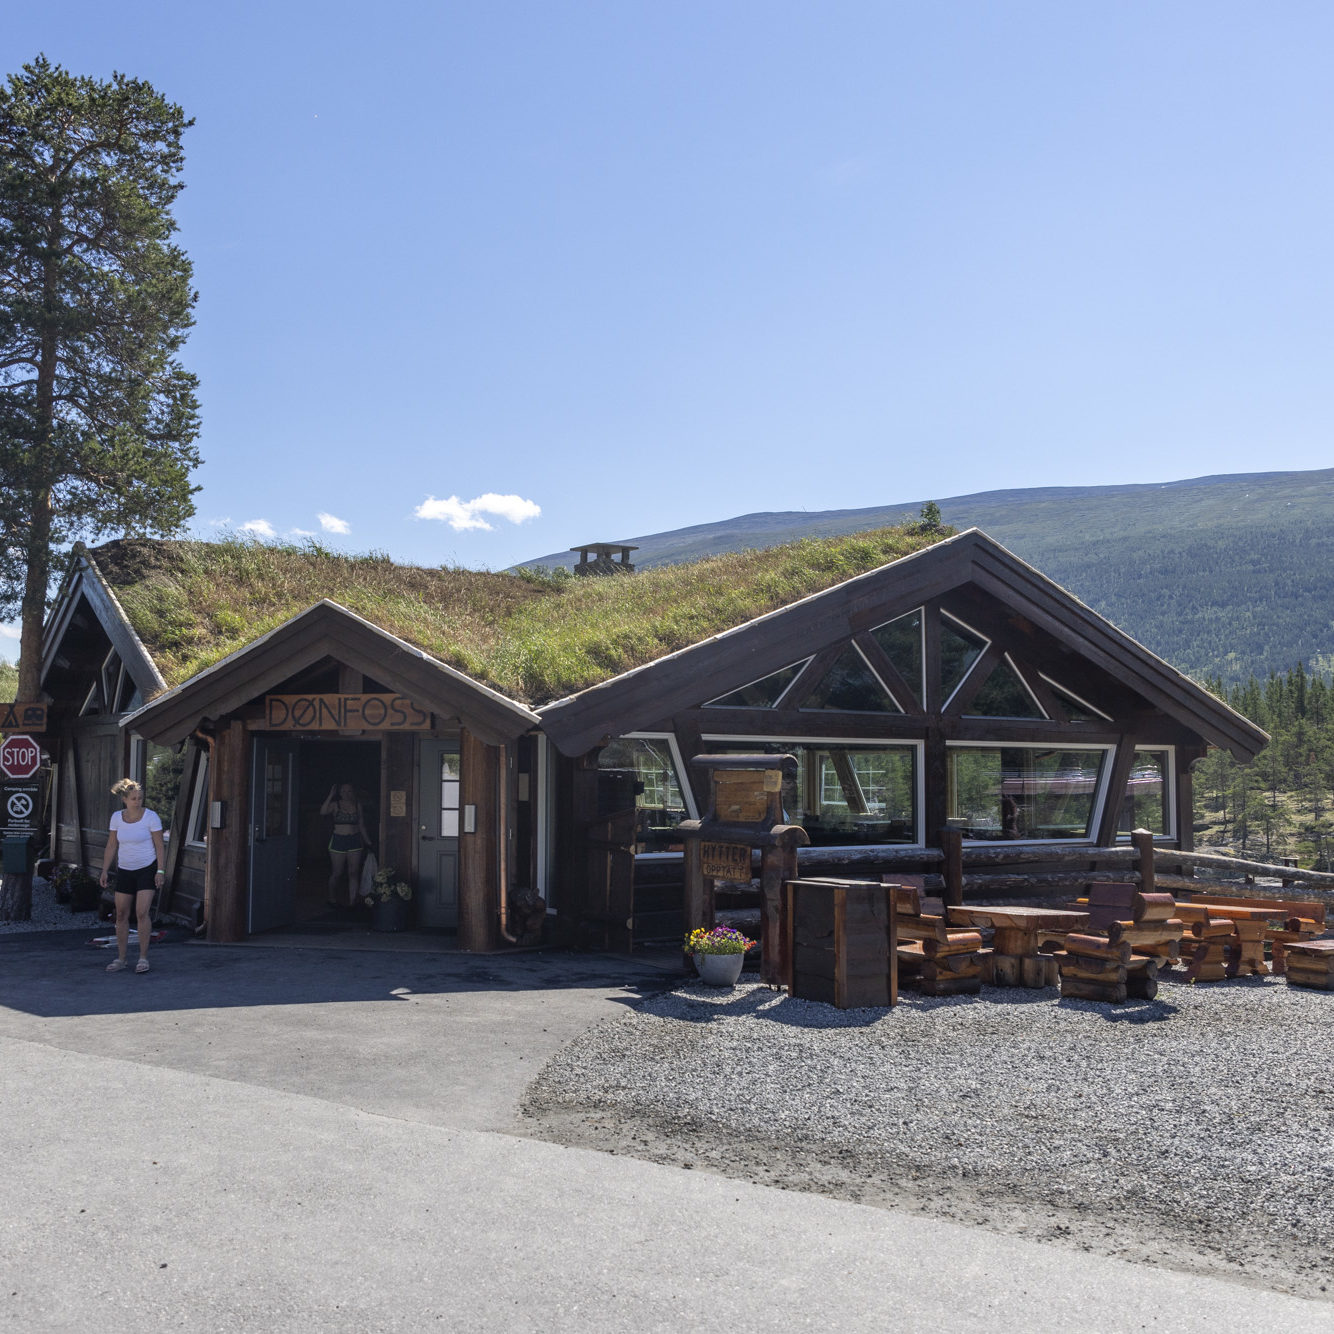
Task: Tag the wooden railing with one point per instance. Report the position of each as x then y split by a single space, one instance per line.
956 872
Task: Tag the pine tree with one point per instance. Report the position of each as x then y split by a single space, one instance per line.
97 417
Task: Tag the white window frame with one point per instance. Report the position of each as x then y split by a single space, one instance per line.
986 644
198 798
1065 690
682 780
1028 690
800 665
1171 835
921 645
875 742
877 713
1099 796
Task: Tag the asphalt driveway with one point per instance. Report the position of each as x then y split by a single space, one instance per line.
444 1038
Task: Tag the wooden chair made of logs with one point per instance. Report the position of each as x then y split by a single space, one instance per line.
939 959
1118 955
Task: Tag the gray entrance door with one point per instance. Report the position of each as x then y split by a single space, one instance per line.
438 831
273 836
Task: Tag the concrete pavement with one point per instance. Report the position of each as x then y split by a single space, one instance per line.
254 1139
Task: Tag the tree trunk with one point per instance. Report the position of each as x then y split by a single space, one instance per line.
16 898
34 598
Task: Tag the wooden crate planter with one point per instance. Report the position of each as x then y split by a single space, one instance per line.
842 943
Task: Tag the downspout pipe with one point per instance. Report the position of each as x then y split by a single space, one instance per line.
206 740
503 828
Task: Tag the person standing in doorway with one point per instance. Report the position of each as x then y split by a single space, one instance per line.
135 845
347 843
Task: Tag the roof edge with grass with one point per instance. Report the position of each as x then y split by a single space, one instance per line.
533 637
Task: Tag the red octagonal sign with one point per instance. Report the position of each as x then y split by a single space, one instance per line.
20 756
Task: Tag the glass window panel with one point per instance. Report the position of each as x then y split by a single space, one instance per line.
163 766
199 807
902 641
449 796
1079 711
1009 792
1004 695
850 686
659 802
844 794
1145 802
449 824
275 796
449 766
761 694
959 650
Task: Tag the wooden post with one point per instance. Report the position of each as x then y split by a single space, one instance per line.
951 844
479 899
1143 841
778 865
841 947
227 882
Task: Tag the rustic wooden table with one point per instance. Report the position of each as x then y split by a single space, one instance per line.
1019 933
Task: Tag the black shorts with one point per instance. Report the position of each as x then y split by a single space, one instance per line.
135 882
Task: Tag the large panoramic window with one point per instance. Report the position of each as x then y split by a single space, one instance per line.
843 793
1146 802
660 805
1023 792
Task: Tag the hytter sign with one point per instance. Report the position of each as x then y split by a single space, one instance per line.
20 756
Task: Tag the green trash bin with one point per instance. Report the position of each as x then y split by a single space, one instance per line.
17 856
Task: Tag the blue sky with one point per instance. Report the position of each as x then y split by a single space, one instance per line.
481 281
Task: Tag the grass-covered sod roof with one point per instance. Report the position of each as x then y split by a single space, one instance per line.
534 637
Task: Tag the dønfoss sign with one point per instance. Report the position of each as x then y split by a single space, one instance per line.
343 713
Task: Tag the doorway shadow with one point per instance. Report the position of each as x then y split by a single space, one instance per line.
58 975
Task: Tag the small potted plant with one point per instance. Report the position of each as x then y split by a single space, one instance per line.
390 902
74 886
718 954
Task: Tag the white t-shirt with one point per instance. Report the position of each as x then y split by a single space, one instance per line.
134 842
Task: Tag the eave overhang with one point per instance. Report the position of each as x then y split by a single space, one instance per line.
330 630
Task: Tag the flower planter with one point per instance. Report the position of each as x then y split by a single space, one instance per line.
719 970
392 914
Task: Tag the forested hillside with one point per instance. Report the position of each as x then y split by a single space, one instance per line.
1283 803
1222 576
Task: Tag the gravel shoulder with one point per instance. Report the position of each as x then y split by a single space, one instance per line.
1194 1132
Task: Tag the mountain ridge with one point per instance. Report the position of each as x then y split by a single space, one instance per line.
1226 575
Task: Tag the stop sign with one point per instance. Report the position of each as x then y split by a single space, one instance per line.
20 756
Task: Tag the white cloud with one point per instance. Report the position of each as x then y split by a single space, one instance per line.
461 515
259 527
331 523
300 532
11 631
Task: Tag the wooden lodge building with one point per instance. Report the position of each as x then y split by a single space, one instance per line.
942 688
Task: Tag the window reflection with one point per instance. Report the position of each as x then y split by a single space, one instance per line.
1015 792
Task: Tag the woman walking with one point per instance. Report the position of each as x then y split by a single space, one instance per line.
135 845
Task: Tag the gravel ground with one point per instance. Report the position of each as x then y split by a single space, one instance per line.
1195 1131
48 915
